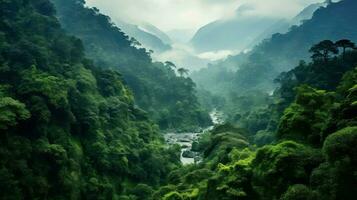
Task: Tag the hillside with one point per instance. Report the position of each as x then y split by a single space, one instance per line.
284 25
310 154
257 69
69 130
71 126
156 31
234 34
334 22
156 86
148 36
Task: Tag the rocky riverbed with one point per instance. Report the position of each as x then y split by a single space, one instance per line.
185 140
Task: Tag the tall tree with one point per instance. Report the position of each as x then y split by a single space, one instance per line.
182 71
323 50
345 44
170 65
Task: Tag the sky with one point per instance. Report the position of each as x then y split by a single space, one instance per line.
180 19
193 14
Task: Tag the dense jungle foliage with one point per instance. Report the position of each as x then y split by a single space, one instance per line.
162 89
70 127
310 154
247 74
69 130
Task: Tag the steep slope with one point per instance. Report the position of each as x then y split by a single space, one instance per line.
148 39
283 51
233 34
69 130
334 22
169 99
307 13
311 155
284 25
156 31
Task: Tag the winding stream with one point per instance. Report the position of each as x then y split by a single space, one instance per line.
185 140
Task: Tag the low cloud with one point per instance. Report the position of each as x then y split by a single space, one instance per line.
192 14
215 55
183 56
181 18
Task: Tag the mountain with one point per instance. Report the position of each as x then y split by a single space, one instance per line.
283 26
307 13
168 98
332 22
244 32
148 35
69 129
282 52
155 31
233 34
310 154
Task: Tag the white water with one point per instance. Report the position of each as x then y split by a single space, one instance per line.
185 140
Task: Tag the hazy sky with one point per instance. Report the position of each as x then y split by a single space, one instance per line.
192 14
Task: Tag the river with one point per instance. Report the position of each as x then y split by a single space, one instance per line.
185 140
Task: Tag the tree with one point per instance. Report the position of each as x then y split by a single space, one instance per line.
277 167
340 167
170 65
182 71
323 50
297 192
11 111
345 44
135 42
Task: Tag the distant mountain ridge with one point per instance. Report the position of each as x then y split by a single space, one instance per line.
156 86
148 35
334 22
242 32
147 27
258 68
307 13
230 34
284 25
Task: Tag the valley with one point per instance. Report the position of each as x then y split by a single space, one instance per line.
186 140
142 102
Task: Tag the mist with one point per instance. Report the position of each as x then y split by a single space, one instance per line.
180 14
183 19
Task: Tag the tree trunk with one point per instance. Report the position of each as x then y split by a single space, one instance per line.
326 56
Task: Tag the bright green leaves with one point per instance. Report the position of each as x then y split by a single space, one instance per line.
12 111
168 98
110 84
217 145
70 129
173 196
310 97
294 122
336 178
305 119
53 88
342 145
276 167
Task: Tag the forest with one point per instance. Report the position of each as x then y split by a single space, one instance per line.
86 110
